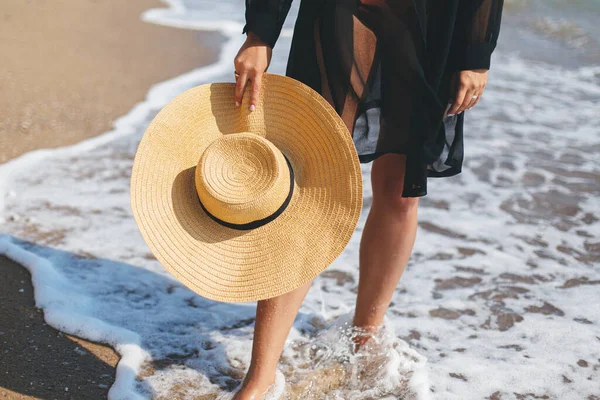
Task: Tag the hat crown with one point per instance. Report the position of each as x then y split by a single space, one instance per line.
242 178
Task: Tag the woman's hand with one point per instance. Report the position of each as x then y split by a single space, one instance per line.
466 84
251 61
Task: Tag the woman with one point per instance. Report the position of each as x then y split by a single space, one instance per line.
400 73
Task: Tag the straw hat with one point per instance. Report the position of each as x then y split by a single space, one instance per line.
244 206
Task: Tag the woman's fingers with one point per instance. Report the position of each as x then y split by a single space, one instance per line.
467 83
251 62
474 100
240 86
459 98
468 100
255 92
255 79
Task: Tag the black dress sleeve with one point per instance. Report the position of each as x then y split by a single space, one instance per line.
476 31
265 18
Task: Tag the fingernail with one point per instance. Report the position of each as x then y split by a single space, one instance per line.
252 107
237 103
451 115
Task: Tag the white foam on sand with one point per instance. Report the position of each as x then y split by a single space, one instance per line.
499 299
69 309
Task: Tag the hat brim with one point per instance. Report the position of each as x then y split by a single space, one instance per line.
226 264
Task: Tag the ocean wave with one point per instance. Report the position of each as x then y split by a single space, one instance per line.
567 31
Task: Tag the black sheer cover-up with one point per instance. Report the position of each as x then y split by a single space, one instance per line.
386 67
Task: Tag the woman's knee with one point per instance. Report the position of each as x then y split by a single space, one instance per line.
387 181
389 196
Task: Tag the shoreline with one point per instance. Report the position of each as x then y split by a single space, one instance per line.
71 70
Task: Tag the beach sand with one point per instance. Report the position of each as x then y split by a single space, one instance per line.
37 360
69 69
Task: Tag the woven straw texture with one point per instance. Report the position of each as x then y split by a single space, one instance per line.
172 167
241 178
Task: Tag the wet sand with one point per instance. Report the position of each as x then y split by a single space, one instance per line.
37 360
69 69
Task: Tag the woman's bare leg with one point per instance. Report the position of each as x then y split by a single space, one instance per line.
274 319
386 243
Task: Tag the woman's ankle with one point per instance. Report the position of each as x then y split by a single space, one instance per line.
362 333
254 385
259 378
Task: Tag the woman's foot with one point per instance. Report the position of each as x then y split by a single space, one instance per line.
362 335
251 392
254 388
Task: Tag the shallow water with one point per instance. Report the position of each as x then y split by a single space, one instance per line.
561 32
499 300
